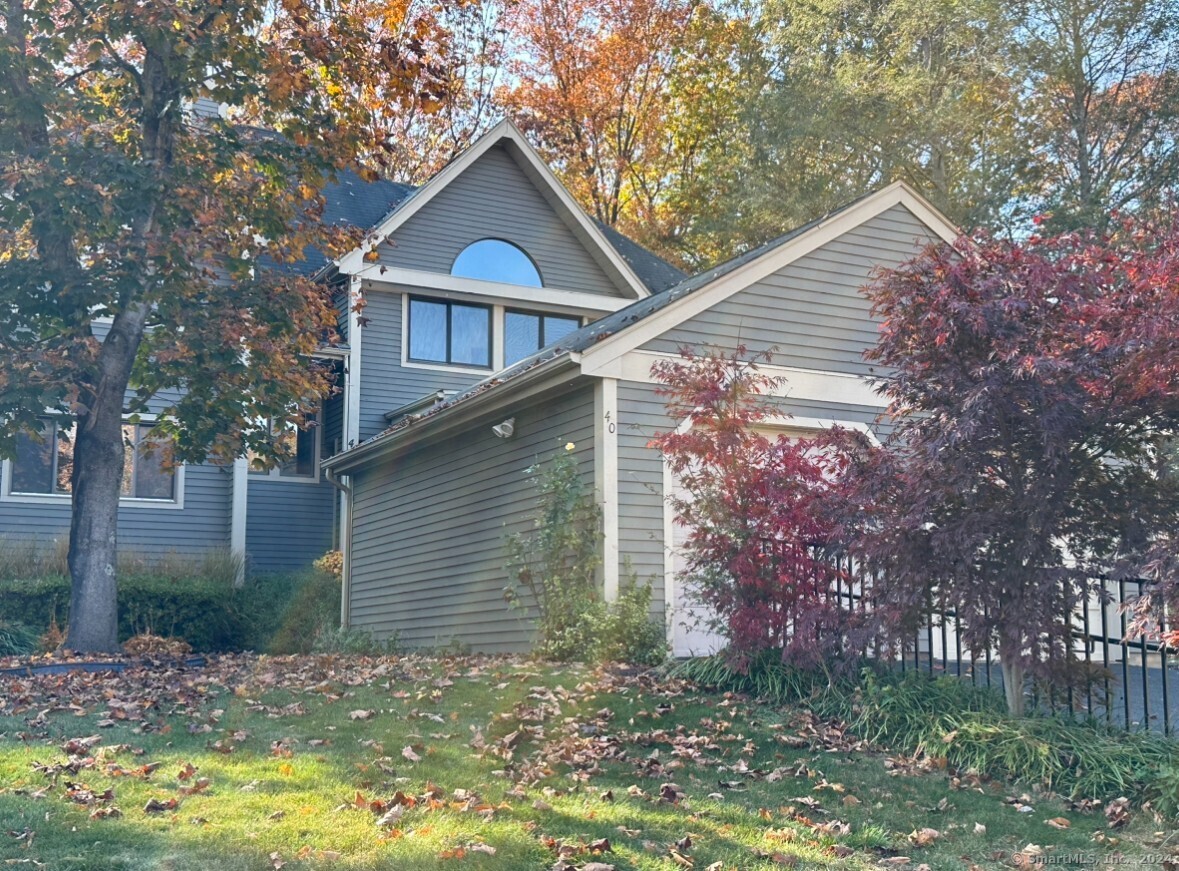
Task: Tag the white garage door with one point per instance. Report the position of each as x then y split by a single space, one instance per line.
690 618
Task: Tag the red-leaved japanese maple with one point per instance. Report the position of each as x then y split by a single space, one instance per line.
751 502
1035 387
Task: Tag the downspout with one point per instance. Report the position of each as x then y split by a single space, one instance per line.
345 547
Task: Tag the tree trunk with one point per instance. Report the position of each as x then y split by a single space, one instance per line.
96 482
1013 680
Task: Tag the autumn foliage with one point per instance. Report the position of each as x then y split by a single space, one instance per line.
1036 392
755 507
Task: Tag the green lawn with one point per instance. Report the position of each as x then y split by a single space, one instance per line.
257 763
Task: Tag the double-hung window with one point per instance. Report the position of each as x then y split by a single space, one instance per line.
525 333
453 333
45 466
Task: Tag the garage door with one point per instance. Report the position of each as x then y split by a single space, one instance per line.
691 620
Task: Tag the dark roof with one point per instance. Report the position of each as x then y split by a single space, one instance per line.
655 272
352 201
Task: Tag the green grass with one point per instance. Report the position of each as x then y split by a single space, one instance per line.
597 733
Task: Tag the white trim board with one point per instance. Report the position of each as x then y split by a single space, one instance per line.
549 298
695 303
815 385
546 182
606 479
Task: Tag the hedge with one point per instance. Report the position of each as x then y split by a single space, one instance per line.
211 616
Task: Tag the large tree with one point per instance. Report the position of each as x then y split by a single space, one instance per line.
591 88
180 229
1101 108
1035 391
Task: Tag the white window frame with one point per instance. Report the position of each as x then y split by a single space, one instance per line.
275 473
498 315
64 499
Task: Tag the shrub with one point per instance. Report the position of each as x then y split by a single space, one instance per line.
331 563
314 609
554 567
17 639
626 632
968 727
211 615
357 642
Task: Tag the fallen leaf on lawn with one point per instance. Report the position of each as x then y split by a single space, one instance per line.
198 785
276 861
980 829
482 848
156 806
361 715
392 816
1117 812
1058 823
408 753
541 805
187 771
896 861
597 866
923 837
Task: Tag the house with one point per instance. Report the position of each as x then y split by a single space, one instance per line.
492 298
473 271
432 496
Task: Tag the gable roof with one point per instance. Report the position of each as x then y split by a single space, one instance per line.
611 336
588 231
354 202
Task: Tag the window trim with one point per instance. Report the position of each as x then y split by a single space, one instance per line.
275 473
446 366
64 499
540 285
536 313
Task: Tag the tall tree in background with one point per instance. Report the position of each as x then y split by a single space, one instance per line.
1102 106
691 212
590 87
119 203
431 130
872 91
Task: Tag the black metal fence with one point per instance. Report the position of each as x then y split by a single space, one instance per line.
1131 683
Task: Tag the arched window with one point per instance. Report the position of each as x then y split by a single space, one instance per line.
496 260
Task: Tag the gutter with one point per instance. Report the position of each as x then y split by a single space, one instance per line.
459 411
345 547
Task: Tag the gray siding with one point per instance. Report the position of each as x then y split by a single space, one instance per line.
288 523
384 383
429 528
642 414
202 525
494 198
812 311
